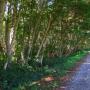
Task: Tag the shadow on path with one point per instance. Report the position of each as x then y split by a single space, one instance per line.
81 78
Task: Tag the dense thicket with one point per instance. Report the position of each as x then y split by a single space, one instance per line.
31 30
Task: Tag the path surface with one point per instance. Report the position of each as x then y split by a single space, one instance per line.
81 78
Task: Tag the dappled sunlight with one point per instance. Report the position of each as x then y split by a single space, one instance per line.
42 42
86 63
48 79
89 51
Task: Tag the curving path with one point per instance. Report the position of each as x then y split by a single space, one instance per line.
81 78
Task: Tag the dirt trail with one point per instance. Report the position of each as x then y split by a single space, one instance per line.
81 78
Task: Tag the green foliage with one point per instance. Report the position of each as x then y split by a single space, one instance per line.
19 77
38 38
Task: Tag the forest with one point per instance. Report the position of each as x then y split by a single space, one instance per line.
40 38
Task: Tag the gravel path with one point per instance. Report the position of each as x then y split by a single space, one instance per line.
81 79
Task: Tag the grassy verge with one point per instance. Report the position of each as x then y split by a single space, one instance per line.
23 78
60 69
63 64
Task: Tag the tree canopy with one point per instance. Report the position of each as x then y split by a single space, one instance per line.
32 31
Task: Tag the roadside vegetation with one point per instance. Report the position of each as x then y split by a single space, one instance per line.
40 38
26 78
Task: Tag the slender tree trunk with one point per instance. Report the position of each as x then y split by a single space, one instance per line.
10 34
45 37
2 8
8 45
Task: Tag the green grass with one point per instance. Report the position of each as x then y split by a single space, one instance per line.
59 69
69 62
22 78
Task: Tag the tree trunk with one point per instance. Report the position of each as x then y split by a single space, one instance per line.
45 37
10 34
8 45
2 7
